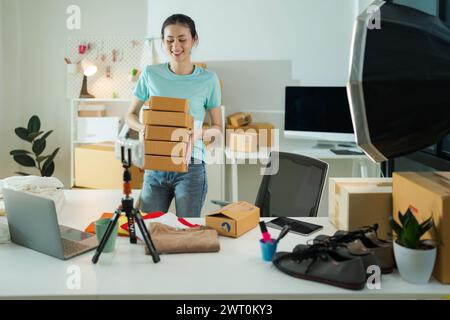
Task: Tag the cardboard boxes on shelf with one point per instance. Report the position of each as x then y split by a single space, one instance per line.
358 202
167 145
239 119
263 132
96 167
234 219
92 111
243 141
429 194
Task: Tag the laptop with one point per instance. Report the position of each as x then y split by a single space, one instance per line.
33 223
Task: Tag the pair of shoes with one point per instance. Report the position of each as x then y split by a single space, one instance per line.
364 240
321 263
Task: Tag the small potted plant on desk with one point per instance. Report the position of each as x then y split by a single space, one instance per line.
414 257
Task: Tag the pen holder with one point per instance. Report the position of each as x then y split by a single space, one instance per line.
268 249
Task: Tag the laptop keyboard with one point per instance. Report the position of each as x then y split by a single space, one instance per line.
72 247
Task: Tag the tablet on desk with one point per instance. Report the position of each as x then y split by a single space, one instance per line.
299 227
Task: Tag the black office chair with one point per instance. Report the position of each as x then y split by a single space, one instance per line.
295 190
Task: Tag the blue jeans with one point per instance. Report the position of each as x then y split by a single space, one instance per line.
188 188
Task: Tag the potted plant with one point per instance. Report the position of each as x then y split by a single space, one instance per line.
414 257
33 135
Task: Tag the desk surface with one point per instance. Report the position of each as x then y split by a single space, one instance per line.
237 271
297 147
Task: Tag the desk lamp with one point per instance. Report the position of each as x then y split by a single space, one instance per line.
89 69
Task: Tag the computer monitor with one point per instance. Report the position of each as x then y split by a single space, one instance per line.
318 113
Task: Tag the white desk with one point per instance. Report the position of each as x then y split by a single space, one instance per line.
359 162
237 271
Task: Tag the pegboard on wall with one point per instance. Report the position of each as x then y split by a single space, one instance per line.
115 57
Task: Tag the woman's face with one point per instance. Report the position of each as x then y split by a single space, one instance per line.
178 42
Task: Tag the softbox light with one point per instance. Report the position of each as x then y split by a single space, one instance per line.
399 83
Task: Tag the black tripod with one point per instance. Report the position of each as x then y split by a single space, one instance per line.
133 215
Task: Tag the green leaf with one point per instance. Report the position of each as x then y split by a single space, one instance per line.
425 226
404 219
49 160
18 152
38 146
34 135
396 227
48 170
22 133
22 173
46 134
34 124
41 158
25 160
410 234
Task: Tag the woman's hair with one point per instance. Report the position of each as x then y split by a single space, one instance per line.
180 19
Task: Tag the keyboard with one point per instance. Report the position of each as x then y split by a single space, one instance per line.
346 152
72 247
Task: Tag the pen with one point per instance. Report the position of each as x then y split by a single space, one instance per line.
265 233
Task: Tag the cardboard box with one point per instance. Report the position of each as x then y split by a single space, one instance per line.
165 148
165 163
92 111
166 133
96 167
234 219
263 129
169 119
358 202
241 141
168 104
429 194
239 119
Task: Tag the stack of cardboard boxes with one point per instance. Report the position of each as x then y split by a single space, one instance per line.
243 135
358 202
167 144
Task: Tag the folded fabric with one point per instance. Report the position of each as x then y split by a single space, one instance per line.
166 218
46 187
167 239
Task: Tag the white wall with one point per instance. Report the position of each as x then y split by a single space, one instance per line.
35 42
9 85
314 35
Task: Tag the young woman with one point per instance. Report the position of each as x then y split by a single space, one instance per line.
179 78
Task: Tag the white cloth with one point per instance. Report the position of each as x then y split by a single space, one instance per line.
46 187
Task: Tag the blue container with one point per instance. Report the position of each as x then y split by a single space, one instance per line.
268 249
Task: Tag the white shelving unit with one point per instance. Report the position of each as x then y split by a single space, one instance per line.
114 108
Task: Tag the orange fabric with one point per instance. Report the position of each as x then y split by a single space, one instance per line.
123 219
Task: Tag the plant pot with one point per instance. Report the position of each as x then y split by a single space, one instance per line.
415 265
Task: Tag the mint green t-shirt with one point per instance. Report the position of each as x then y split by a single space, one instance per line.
202 88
